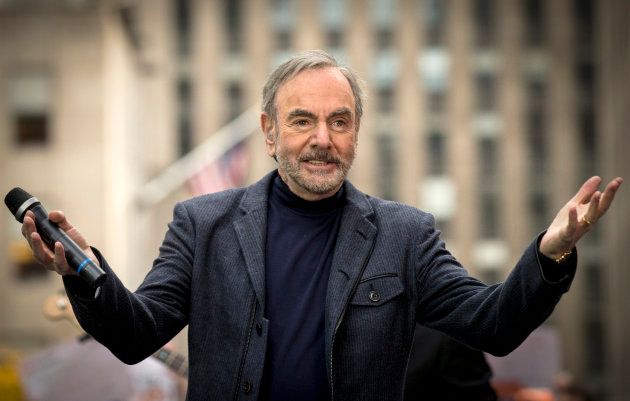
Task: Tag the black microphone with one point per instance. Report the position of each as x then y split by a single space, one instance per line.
19 202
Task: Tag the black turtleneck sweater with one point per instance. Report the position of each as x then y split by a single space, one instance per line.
300 243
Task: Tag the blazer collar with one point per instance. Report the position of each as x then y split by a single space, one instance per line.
251 231
354 243
257 195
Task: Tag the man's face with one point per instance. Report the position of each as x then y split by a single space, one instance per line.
314 135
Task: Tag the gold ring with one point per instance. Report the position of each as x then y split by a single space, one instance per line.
587 221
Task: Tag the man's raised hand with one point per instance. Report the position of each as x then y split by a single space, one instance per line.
577 217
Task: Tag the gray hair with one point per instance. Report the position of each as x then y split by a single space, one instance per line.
308 60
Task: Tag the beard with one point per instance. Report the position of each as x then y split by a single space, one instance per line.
319 183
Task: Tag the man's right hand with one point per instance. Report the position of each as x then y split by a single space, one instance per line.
54 260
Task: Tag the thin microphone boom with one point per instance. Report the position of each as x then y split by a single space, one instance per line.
19 202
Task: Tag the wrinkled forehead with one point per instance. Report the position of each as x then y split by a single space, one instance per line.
316 90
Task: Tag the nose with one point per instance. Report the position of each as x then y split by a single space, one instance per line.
321 136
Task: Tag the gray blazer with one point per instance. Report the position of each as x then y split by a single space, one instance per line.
390 270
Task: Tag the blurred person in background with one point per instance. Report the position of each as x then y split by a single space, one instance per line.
302 287
443 369
566 388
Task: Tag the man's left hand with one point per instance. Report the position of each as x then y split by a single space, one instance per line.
577 217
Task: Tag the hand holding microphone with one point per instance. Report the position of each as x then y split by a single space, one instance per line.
55 242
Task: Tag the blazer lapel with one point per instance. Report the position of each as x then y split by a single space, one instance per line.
355 242
251 231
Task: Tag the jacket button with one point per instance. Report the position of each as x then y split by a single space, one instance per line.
259 328
247 387
374 296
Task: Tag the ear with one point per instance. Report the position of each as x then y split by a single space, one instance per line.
267 128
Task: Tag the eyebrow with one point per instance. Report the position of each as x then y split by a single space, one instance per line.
301 113
344 111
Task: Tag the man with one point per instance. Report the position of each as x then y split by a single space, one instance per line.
302 287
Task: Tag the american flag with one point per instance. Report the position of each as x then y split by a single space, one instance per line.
228 171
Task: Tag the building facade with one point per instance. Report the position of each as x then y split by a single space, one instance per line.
488 114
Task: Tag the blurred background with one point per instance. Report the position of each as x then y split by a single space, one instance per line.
487 113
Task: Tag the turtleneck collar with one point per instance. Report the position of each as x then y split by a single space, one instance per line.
281 193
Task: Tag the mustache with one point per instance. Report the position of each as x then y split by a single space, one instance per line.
320 155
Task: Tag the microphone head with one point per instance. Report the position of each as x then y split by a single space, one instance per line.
15 199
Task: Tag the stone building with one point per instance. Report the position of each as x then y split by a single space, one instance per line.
487 113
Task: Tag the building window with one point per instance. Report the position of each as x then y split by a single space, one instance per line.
537 140
434 13
537 137
444 226
489 215
488 157
383 14
385 69
235 100
585 72
596 351
282 15
434 68
29 101
539 210
436 153
486 83
385 99
584 22
184 126
535 28
31 129
332 14
182 27
386 148
485 23
384 38
436 102
283 40
233 24
334 39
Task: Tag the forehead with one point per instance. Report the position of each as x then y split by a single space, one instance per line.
318 90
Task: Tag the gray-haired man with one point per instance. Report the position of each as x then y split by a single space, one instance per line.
302 287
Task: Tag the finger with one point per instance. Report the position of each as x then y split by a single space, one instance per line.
61 264
587 189
591 214
58 217
608 195
573 221
29 220
44 255
28 227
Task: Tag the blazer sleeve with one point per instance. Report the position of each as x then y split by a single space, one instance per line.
494 318
133 325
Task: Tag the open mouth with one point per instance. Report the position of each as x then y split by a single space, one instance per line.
320 162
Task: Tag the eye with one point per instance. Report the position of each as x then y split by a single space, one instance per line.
302 122
339 124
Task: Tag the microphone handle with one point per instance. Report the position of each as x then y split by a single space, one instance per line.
77 259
